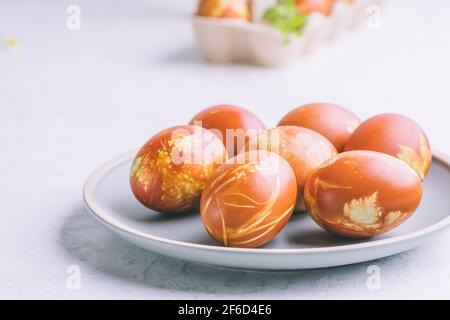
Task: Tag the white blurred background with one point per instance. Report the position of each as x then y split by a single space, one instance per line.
72 99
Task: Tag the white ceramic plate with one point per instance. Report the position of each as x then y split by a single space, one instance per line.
300 245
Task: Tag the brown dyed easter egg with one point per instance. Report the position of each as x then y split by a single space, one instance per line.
236 9
362 193
232 124
333 122
310 6
397 136
170 171
302 148
249 199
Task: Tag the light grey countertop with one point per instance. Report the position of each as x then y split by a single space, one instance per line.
72 99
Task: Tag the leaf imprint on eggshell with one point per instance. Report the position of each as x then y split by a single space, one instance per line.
364 210
225 196
394 218
270 226
135 167
329 185
417 162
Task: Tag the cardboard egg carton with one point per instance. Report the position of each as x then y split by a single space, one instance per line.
234 40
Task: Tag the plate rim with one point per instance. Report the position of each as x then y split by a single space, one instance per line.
94 208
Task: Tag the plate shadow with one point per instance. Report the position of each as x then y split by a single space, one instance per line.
86 240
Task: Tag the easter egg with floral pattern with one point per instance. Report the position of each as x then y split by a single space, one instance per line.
361 194
397 136
249 199
170 171
302 148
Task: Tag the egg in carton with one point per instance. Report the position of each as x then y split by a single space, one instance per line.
228 38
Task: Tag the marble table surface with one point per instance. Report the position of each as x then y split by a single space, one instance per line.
72 99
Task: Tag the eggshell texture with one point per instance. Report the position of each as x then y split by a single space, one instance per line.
309 6
333 122
396 135
302 148
249 199
238 9
171 169
240 123
362 194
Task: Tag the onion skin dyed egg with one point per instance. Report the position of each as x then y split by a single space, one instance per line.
237 9
302 148
361 194
249 199
397 136
309 6
171 169
230 121
345 1
333 122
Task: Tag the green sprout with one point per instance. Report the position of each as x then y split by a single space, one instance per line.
286 18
